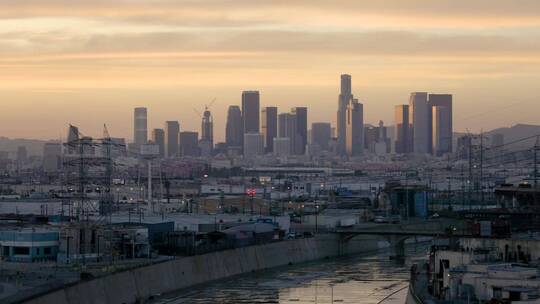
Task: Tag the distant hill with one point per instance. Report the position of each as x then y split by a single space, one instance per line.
511 134
517 132
33 146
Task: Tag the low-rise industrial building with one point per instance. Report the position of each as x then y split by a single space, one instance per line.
28 244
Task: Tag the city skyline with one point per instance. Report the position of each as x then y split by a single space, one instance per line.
108 57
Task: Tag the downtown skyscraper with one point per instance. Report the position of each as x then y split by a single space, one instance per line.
234 132
441 123
321 133
301 129
140 127
207 130
269 125
403 136
158 137
172 133
250 112
345 97
420 116
287 124
354 123
430 125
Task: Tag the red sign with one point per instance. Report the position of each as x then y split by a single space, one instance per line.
251 192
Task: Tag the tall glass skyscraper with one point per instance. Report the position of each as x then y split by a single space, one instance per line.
250 112
140 127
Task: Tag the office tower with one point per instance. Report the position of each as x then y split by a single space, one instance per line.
301 129
282 146
172 131
140 127
52 157
354 143
403 134
287 129
250 112
383 145
158 137
321 133
269 127
207 129
420 117
234 134
376 140
189 143
344 99
371 135
442 141
441 128
253 145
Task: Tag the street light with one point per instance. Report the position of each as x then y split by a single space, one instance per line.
99 236
316 218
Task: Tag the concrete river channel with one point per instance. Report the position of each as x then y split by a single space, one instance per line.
366 278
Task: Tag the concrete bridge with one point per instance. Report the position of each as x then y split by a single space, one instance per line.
397 234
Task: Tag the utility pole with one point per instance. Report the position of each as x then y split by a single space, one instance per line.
536 148
482 167
470 181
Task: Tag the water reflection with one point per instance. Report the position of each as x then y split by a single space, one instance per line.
367 279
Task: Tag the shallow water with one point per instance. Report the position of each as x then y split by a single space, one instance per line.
361 279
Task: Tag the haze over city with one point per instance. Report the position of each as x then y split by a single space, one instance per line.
92 62
257 151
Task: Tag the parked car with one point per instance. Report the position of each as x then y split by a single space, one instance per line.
380 219
395 219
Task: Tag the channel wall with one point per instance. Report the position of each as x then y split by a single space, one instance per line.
140 284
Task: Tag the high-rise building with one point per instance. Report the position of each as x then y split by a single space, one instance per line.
321 133
172 131
345 97
207 129
250 112
383 144
403 133
234 134
253 145
420 116
282 146
301 129
269 127
52 157
189 143
158 137
442 141
441 126
354 128
376 140
287 129
140 127
371 137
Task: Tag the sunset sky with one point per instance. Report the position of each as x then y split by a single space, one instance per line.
89 62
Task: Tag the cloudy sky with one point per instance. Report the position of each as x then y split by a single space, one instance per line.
89 62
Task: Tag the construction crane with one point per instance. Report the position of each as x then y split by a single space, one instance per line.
206 108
